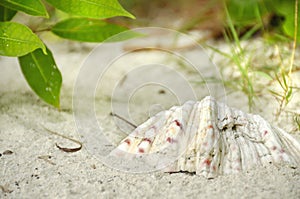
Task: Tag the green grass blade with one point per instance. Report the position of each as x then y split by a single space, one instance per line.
276 94
283 75
227 55
288 95
250 32
232 29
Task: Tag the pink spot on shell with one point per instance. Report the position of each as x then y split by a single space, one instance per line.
147 139
265 133
214 168
141 150
274 148
127 141
170 140
210 127
177 123
207 162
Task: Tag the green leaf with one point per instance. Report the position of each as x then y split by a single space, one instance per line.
89 30
263 74
91 8
6 14
31 7
287 9
246 12
289 28
42 75
17 39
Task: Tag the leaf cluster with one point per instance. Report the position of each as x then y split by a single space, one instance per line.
86 23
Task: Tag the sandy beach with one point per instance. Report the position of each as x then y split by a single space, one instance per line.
36 168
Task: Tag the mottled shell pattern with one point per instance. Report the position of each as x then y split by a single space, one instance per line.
211 139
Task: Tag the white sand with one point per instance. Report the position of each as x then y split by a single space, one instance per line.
38 169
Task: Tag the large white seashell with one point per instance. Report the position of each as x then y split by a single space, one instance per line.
211 138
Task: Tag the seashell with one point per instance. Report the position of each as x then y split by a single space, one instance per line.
210 138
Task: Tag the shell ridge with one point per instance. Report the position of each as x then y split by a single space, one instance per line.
211 138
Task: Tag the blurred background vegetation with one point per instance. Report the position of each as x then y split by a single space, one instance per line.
275 18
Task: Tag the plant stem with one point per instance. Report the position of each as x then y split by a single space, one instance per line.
295 38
